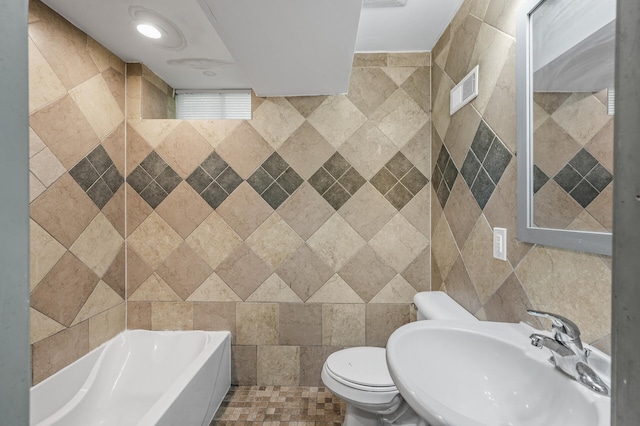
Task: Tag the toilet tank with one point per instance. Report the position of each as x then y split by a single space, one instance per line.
436 305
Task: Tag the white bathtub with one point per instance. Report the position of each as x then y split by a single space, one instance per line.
141 378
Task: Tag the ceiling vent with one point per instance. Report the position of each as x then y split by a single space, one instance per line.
465 91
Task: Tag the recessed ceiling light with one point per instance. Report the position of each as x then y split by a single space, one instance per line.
148 30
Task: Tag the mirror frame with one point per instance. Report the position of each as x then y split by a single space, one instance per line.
587 241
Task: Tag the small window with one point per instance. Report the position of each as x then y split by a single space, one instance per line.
213 104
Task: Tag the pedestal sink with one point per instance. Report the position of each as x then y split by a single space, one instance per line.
455 373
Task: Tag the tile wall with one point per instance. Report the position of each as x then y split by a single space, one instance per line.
76 106
474 189
149 96
303 230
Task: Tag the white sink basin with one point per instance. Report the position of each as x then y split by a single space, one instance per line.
459 373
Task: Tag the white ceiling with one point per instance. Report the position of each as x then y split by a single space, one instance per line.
258 50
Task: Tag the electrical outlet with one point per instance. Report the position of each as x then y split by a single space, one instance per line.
500 243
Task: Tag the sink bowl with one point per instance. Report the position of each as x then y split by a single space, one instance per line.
457 373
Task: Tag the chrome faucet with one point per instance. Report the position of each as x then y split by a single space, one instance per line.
567 353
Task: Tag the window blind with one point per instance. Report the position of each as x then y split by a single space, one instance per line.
210 105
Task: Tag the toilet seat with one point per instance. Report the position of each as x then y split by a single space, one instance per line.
362 368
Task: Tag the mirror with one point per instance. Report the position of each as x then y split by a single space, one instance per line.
565 106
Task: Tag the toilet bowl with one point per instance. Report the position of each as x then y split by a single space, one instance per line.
360 376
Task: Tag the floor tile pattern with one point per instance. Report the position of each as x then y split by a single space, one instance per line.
97 176
444 176
153 179
279 405
214 180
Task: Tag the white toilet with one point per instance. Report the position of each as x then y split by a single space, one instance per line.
360 376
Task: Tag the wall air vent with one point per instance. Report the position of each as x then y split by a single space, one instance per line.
213 104
465 91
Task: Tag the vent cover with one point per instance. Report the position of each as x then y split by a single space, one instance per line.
213 104
611 101
464 91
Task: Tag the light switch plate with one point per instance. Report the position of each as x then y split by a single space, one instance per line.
500 243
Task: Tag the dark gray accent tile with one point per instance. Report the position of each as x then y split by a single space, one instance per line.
336 165
443 194
113 178
275 165
100 159
153 164
336 196
470 168
482 140
214 165
383 181
352 181
260 180
599 177
153 194
84 174
214 195
275 195
497 160
399 165
199 180
414 181
567 178
584 193
539 179
168 180
398 196
436 178
100 193
443 158
450 174
482 188
229 180
321 181
139 179
583 162
290 180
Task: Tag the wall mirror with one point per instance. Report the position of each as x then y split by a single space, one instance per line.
565 106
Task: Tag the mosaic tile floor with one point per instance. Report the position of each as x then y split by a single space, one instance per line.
279 406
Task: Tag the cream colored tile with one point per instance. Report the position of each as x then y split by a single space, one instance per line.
343 325
586 222
274 241
602 208
337 118
257 323
134 97
244 150
397 291
418 150
360 89
274 290
153 131
44 253
399 74
171 316
582 116
336 242
305 211
98 245
398 243
35 187
154 240
409 59
154 289
440 112
502 119
214 131
35 143
368 150
462 129
44 84
213 289
101 56
370 60
367 211
41 326
184 149
418 213
334 291
553 207
276 119
106 325
400 118
103 298
502 15
278 365
444 248
213 228
98 105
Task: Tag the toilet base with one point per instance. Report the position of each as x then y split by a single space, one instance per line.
403 416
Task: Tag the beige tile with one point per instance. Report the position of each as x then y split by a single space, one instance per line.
337 118
418 273
334 291
244 150
460 287
137 149
601 146
137 209
101 299
367 273
184 209
582 116
244 210
36 188
444 248
56 352
476 8
400 118
409 59
368 150
552 147
603 344
41 326
370 60
436 277
243 271
486 272
502 119
278 365
461 200
65 130
98 245
244 365
502 15
214 131
134 96
274 290
304 272
398 290
64 199
586 222
257 323
98 105
114 211
44 253
305 211
312 359
343 325
274 241
336 242
418 86
300 324
102 57
154 240
575 285
184 270
139 315
360 89
153 131
398 74
417 211
306 150
184 149
382 320
440 112
213 289
510 304
602 208
440 52
276 119
154 289
106 325
137 270
213 228
367 211
553 207
418 150
463 41
44 85
398 243
35 143
550 101
215 316
462 130
306 104
171 316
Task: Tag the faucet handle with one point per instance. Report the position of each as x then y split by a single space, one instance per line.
561 324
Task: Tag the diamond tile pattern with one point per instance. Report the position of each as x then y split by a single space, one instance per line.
399 181
444 176
584 178
214 180
336 181
97 176
153 179
275 180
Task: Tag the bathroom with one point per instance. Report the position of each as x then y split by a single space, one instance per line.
293 280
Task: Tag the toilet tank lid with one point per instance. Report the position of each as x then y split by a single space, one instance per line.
362 365
438 305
